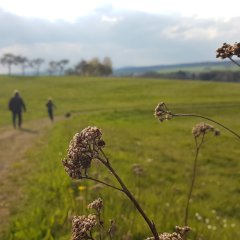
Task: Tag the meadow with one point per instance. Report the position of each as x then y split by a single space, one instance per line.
123 109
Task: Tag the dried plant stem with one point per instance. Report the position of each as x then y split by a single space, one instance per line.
209 119
198 146
130 196
100 224
104 183
235 62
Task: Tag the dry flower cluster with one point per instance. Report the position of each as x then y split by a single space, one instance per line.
228 50
83 148
162 113
137 169
96 204
203 128
178 235
82 226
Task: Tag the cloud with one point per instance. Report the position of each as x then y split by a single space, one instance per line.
129 38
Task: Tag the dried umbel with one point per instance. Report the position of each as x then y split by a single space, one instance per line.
202 128
137 169
84 147
82 227
182 230
168 236
96 204
162 113
228 50
178 235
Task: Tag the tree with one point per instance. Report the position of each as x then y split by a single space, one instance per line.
36 64
82 68
9 60
61 65
107 66
52 67
93 67
23 61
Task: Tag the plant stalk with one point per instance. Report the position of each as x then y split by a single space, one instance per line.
198 146
235 62
209 119
131 197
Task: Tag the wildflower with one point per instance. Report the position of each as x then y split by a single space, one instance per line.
84 147
198 216
182 230
162 113
167 236
82 226
96 204
228 50
203 128
207 220
233 225
214 211
178 235
137 169
81 188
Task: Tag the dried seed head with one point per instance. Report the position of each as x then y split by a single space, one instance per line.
168 236
82 225
182 230
162 113
178 235
96 204
203 128
227 50
84 146
137 169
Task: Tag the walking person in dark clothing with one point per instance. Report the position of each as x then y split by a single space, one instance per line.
16 105
50 106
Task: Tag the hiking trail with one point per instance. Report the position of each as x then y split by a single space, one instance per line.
14 143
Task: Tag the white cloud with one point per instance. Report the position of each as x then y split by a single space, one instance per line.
196 33
109 19
128 38
71 10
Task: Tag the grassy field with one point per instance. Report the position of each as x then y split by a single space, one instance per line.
123 109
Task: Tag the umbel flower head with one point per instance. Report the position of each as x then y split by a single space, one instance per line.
178 235
228 50
137 169
82 226
162 113
83 148
202 128
96 204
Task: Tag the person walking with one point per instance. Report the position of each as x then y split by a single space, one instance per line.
50 106
16 105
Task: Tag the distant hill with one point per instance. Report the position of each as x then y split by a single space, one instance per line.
188 67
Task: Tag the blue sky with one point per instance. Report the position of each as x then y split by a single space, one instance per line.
131 33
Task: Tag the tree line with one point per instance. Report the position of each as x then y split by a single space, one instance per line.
213 75
94 67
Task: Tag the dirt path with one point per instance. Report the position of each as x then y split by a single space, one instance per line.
13 145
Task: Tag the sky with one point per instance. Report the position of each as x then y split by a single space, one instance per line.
130 32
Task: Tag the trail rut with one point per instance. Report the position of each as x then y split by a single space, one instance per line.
13 146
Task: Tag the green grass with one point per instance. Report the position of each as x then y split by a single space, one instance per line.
123 109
